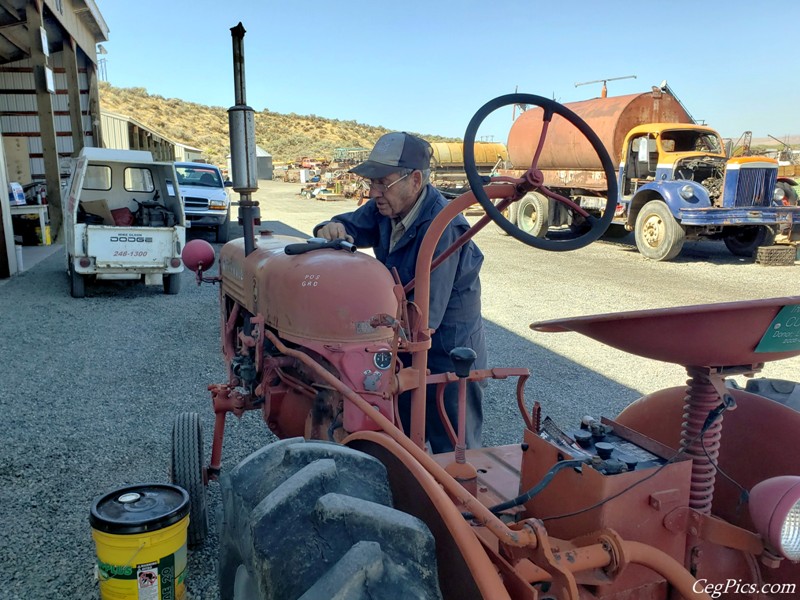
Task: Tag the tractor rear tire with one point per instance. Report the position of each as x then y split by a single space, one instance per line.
187 472
314 520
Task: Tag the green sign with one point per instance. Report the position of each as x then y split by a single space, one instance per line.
783 334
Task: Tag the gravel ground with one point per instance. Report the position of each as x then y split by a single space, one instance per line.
90 387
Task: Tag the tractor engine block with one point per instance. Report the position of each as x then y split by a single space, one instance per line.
329 304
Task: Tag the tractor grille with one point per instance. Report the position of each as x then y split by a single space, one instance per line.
191 202
755 187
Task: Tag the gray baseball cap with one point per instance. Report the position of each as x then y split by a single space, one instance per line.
393 152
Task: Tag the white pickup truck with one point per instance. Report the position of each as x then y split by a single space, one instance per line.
123 219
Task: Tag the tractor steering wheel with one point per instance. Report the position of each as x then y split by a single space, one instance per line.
534 179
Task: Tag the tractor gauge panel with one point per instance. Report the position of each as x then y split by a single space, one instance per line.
383 359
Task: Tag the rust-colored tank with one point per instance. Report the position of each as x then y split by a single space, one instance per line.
325 295
610 118
451 154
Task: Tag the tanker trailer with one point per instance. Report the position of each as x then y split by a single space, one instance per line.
447 164
675 182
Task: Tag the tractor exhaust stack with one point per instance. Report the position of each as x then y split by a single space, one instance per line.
242 128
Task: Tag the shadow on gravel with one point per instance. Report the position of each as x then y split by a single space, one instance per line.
711 252
566 390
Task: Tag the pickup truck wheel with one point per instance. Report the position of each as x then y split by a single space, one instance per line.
314 519
77 284
658 235
187 470
172 283
533 214
222 230
744 241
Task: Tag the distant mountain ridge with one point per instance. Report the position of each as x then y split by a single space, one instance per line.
285 137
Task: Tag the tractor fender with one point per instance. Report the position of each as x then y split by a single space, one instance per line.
759 441
465 569
758 436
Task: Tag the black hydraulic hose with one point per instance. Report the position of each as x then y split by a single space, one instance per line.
543 483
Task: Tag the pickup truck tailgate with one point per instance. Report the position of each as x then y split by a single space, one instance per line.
132 247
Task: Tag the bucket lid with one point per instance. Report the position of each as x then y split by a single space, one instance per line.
139 508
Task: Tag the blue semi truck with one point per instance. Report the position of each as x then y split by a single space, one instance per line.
676 182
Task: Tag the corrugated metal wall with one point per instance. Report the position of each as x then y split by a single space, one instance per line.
19 115
115 131
124 133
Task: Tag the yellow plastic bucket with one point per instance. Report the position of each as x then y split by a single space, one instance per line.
140 537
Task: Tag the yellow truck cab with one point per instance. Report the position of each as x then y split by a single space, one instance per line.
676 183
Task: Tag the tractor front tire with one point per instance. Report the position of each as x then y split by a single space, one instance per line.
314 520
187 472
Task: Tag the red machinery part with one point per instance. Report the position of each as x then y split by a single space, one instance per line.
197 254
326 295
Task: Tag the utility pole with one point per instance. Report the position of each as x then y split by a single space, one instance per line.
604 92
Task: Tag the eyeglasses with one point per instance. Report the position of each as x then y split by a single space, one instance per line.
369 184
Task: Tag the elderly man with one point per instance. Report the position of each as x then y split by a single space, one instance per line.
393 222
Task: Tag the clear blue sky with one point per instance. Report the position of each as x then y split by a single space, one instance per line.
427 66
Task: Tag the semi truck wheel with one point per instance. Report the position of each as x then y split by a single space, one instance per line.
658 235
187 472
314 519
744 241
533 214
172 283
77 284
509 213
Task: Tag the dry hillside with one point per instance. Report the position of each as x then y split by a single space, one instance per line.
286 137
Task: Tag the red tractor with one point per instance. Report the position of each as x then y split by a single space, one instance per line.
347 505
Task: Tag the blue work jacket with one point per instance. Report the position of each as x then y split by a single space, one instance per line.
455 303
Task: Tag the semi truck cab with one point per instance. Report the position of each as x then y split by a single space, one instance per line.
684 166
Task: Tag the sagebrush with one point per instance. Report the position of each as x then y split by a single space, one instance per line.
285 137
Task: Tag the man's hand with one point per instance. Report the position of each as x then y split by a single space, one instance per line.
334 231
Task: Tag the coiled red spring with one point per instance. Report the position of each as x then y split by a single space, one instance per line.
701 399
